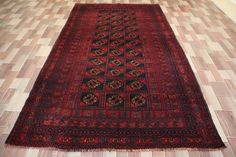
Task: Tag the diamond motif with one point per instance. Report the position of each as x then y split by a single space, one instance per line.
116 62
134 62
115 84
137 100
133 43
129 23
115 23
134 85
115 72
130 29
91 83
89 99
115 100
97 43
118 28
117 17
97 61
116 35
102 23
94 71
117 43
134 53
102 28
132 35
135 73
101 35
98 52
117 52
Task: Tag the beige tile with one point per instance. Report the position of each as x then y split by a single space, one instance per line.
28 30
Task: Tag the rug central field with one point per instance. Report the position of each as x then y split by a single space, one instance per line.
116 78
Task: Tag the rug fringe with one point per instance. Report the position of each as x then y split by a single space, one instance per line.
115 149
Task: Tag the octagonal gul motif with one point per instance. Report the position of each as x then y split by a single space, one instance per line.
89 99
114 85
135 72
116 52
97 52
138 100
116 62
93 83
136 85
115 72
134 62
99 61
95 71
134 53
115 100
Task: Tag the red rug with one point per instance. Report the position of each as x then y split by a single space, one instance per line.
116 78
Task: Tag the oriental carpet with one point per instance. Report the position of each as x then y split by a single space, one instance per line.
116 78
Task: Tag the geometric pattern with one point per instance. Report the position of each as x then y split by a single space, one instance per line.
116 47
109 83
23 54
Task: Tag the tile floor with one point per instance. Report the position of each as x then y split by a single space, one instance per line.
29 28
